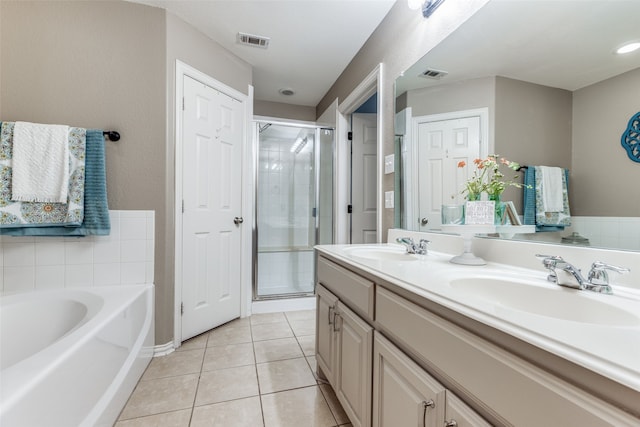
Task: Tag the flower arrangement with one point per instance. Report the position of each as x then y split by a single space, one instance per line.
488 178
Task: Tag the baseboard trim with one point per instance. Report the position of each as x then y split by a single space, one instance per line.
163 349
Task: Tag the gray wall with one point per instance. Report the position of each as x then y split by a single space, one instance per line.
605 180
284 111
532 126
110 65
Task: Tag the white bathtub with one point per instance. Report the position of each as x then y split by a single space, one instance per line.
72 357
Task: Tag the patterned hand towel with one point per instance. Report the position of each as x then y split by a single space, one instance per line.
40 163
42 214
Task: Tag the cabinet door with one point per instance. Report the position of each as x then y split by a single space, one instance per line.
325 336
403 393
353 379
459 414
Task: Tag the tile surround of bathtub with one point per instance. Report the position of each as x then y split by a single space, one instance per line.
124 257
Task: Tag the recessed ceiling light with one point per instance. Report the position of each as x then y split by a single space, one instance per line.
286 92
629 47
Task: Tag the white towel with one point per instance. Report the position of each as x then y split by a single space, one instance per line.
40 163
552 197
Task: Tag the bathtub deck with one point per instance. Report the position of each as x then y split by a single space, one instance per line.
257 371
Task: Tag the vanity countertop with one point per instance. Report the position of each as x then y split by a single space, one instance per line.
599 332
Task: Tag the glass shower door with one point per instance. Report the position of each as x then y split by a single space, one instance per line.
285 211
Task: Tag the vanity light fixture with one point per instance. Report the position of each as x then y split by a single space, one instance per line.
628 48
427 6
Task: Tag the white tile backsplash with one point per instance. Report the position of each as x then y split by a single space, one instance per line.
123 257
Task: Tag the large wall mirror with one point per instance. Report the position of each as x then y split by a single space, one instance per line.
541 84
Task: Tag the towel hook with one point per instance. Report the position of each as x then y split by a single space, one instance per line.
112 135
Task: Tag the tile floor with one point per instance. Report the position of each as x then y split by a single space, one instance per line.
257 371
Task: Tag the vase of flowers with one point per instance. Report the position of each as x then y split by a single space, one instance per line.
488 178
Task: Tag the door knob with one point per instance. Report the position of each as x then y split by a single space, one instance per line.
424 221
238 220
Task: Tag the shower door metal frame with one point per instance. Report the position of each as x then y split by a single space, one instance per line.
316 179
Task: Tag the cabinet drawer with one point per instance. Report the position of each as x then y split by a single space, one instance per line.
502 383
357 291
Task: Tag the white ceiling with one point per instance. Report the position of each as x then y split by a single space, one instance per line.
566 44
312 41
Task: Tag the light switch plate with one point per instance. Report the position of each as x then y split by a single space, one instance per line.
388 199
389 164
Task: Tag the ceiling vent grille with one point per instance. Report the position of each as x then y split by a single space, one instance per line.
252 40
433 74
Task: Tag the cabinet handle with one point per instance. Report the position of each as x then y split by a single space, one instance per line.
426 404
452 423
335 322
331 315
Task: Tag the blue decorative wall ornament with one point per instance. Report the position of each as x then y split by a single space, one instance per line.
631 138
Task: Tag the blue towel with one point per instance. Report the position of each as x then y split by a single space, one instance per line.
529 196
96 211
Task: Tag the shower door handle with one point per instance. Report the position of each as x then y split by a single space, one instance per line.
238 220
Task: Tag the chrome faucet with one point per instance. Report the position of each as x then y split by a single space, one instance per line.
566 274
412 247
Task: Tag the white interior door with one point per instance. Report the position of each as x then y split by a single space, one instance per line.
441 145
212 199
364 178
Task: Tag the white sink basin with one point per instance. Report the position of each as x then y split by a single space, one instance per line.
383 253
555 302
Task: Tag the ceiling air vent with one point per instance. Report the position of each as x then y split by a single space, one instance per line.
433 74
255 41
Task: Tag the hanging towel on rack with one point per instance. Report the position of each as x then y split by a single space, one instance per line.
42 214
40 163
96 210
533 205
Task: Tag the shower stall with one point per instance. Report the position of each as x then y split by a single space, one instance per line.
293 207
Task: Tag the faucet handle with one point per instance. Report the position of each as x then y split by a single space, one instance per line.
598 274
550 261
422 246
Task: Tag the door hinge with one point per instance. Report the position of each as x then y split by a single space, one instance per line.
350 136
183 103
181 308
349 208
182 205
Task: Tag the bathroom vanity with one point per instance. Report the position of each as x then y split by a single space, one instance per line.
409 340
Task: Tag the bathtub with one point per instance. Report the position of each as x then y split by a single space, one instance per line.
71 357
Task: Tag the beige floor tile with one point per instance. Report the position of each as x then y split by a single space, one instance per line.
229 335
262 318
227 384
308 344
294 408
334 404
300 315
228 356
279 349
168 419
303 327
237 413
236 323
175 364
194 343
161 395
271 331
284 375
